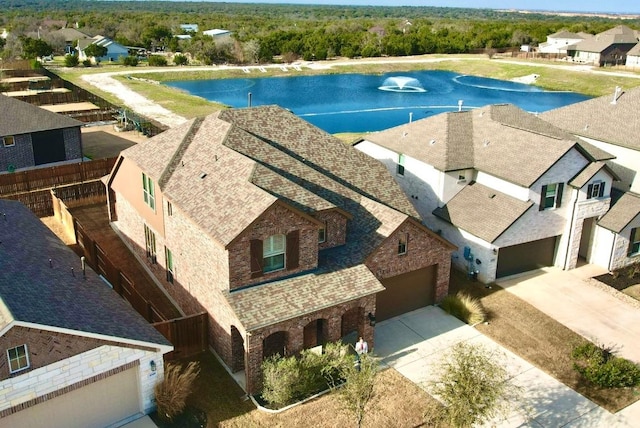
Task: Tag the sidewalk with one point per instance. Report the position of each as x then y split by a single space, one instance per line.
414 343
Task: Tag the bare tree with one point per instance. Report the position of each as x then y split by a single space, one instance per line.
357 391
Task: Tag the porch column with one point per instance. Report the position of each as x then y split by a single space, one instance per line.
253 362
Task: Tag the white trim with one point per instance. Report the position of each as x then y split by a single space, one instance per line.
26 354
4 141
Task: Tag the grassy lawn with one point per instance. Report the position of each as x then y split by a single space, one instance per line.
398 403
539 339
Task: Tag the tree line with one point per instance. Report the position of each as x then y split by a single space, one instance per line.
261 33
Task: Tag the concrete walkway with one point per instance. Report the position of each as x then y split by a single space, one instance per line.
597 313
414 343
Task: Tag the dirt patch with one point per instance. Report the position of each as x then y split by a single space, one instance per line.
104 141
539 339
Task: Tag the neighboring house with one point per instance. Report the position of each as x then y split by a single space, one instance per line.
557 42
217 33
633 57
611 123
511 191
72 352
114 50
607 48
287 237
189 28
71 37
31 136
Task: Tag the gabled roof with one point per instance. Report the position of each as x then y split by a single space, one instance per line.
38 286
501 140
482 211
225 170
71 34
19 117
621 213
601 119
588 172
564 34
601 41
635 51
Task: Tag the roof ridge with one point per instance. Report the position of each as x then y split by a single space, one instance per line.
179 153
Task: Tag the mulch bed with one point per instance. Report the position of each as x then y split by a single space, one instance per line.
620 283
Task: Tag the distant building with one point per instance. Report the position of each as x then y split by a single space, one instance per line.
217 33
114 50
633 56
558 42
609 47
71 37
189 28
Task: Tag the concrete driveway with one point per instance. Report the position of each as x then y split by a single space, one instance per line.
414 343
594 311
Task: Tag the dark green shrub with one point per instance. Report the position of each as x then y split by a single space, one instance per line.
157 61
180 59
600 366
35 64
464 307
71 60
281 377
86 63
130 61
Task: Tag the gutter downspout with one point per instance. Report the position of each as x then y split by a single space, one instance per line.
571 228
613 247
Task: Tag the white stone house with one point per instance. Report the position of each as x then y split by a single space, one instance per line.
633 57
611 123
72 352
511 191
557 42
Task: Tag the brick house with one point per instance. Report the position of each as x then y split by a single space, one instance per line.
31 136
512 191
611 123
286 237
72 352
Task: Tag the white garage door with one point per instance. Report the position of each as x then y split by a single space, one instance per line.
100 404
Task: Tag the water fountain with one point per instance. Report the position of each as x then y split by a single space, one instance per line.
401 84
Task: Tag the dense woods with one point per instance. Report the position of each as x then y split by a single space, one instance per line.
263 32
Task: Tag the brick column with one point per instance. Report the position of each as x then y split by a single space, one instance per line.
334 328
253 363
442 280
295 339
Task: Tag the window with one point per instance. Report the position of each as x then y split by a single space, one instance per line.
400 169
18 358
273 253
8 141
148 191
322 233
595 190
634 242
169 209
551 196
150 243
170 267
402 245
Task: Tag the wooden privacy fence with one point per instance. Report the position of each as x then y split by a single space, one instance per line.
98 260
188 335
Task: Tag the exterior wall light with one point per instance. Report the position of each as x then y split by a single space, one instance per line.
372 319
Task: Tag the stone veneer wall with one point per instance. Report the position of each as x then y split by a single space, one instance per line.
585 209
68 374
423 250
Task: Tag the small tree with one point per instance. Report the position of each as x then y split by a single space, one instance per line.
357 391
157 61
95 51
71 60
130 61
180 59
472 386
281 377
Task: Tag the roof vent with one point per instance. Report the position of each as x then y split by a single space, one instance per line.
432 142
485 143
491 196
203 175
616 94
586 127
404 134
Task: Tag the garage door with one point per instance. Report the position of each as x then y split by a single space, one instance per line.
525 257
99 404
406 292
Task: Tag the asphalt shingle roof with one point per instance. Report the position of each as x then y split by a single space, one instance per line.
600 119
617 35
18 117
482 211
587 173
37 285
621 213
501 140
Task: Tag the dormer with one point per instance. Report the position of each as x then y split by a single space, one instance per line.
333 230
594 182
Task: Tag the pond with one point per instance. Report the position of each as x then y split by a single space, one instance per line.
367 102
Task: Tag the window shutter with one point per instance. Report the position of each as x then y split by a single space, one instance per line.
543 194
601 192
293 249
256 258
589 190
559 194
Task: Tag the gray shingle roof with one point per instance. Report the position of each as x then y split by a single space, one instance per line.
34 290
501 140
601 120
617 35
18 117
278 301
482 211
621 213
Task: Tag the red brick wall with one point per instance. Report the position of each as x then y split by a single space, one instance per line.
423 250
336 228
276 220
43 347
